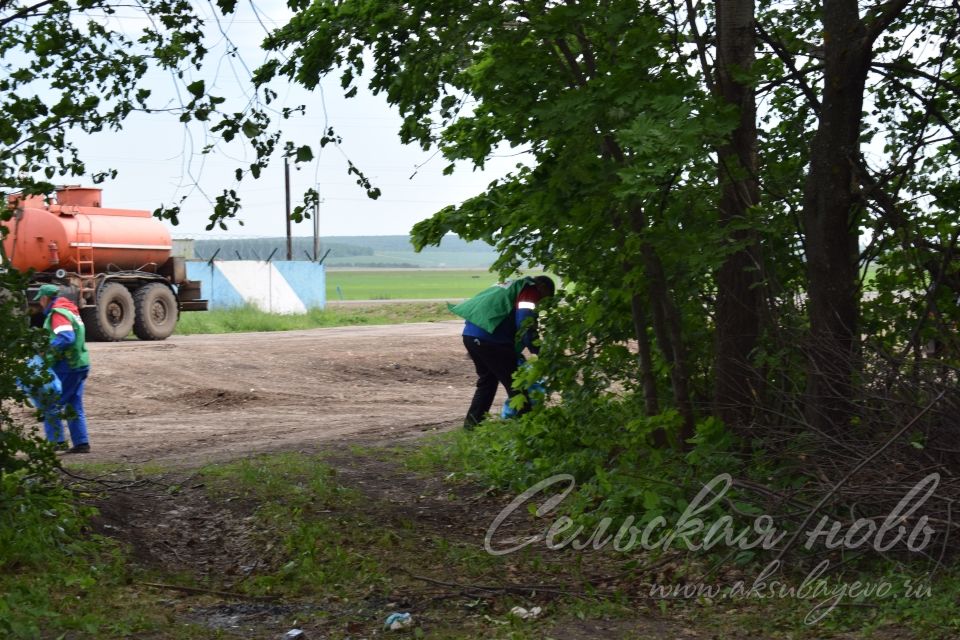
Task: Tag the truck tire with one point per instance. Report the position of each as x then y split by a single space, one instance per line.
112 318
157 311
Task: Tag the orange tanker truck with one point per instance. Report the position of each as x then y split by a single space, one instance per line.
116 264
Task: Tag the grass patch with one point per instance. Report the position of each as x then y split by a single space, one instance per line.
294 492
469 455
344 555
295 480
57 579
915 601
250 319
339 548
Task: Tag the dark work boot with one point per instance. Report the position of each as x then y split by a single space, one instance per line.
80 448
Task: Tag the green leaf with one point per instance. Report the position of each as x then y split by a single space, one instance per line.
304 154
197 88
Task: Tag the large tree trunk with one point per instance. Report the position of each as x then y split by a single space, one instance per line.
737 383
831 215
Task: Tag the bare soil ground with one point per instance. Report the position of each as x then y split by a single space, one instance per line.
195 399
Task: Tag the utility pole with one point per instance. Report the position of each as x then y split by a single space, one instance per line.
316 227
286 179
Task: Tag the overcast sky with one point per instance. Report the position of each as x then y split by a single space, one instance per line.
158 158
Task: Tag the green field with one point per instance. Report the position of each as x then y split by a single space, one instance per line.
425 260
407 284
247 319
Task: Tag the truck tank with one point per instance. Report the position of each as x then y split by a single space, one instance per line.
48 237
115 263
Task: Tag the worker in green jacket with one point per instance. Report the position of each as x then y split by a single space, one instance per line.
71 363
493 338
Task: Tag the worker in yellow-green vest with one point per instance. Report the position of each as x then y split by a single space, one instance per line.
70 361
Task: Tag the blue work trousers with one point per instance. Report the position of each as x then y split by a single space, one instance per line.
71 400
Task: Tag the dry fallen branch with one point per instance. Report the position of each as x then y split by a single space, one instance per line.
904 426
896 436
202 591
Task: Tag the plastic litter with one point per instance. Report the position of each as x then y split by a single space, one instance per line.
526 614
398 621
295 634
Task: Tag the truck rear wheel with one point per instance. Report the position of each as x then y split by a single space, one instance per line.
112 318
157 312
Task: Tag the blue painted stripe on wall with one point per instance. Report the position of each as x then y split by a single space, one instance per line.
308 280
214 286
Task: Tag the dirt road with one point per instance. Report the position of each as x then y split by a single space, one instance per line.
192 399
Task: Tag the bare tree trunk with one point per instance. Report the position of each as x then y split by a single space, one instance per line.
737 383
831 214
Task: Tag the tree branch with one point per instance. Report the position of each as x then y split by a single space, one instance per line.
928 103
587 51
571 60
882 16
26 11
852 473
790 62
939 81
701 46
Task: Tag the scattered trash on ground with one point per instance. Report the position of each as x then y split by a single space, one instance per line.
398 621
526 614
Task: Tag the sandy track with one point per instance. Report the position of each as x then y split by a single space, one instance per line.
192 399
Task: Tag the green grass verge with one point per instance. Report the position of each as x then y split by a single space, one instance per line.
252 319
344 554
325 548
408 284
337 548
293 490
56 579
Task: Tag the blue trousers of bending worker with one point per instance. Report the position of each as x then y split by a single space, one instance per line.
71 396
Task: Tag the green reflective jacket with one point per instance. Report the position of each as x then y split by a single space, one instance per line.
488 308
76 354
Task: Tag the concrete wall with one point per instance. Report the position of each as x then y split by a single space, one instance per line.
277 287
